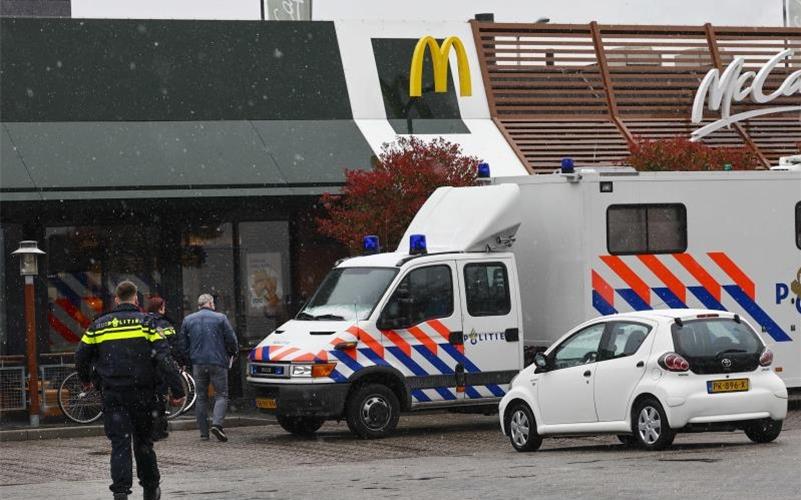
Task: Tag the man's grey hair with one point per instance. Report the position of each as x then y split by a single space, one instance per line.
205 299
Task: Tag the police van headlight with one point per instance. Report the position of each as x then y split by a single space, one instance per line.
315 370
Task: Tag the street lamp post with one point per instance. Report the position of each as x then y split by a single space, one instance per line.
29 267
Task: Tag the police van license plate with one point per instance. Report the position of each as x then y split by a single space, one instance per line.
732 385
266 403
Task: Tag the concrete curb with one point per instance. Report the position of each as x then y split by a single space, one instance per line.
76 431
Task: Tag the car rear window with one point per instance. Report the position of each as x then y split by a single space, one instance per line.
717 345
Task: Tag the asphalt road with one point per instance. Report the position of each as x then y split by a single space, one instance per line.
433 456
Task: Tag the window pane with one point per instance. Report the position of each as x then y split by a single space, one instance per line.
207 259
487 289
633 229
581 348
425 293
85 264
624 340
265 284
626 230
667 229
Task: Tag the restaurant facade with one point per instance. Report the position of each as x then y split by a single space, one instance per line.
189 156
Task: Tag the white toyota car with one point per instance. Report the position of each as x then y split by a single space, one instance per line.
645 376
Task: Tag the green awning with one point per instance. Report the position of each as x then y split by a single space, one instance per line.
168 159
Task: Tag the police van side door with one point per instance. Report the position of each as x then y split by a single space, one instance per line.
417 324
490 323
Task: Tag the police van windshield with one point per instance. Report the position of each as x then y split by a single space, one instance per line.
348 294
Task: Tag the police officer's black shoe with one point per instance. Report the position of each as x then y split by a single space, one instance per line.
120 496
152 494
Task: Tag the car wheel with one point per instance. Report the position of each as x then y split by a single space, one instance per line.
372 411
763 431
300 426
522 427
650 425
627 439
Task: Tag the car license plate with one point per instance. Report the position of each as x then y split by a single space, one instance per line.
731 385
266 403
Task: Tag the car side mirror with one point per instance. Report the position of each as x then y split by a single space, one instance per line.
541 362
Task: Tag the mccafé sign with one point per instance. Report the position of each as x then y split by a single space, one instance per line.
721 90
439 59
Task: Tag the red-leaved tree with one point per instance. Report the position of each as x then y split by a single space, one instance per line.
383 200
679 153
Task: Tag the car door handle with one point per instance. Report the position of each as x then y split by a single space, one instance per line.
587 373
640 364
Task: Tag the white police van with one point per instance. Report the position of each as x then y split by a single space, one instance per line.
485 271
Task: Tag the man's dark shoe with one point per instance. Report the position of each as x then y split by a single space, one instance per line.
152 494
204 438
120 496
219 433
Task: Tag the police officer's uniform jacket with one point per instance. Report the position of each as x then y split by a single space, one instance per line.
126 349
165 328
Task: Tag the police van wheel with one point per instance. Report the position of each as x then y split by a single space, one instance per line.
372 411
300 426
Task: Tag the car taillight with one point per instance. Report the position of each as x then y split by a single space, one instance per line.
767 357
673 362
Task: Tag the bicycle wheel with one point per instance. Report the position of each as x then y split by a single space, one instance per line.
173 411
191 396
78 405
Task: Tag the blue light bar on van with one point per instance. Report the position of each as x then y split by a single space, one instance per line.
567 166
483 170
370 244
417 244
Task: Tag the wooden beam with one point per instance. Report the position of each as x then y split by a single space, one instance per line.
609 91
715 53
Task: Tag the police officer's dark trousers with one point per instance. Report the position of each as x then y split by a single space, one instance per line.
127 416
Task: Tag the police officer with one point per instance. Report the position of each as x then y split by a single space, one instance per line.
156 307
126 351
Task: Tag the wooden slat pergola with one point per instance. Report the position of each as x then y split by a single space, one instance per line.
590 91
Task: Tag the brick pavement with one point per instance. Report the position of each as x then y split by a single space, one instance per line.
31 462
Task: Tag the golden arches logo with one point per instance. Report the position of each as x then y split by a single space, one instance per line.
439 59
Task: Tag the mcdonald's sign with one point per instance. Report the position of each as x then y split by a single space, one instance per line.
439 59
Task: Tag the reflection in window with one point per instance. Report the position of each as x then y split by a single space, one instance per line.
580 349
265 283
349 293
624 340
208 267
487 289
425 293
84 266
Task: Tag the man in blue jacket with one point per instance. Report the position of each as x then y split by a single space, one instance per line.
209 343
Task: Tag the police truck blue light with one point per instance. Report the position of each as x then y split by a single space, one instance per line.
483 170
417 244
567 166
371 244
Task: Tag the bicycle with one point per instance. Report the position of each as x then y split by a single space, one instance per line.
86 406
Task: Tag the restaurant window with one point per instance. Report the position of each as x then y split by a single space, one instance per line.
646 228
207 262
264 272
84 266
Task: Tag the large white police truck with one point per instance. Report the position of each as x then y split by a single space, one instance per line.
486 274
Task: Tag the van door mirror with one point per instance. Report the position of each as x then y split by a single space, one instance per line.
541 362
